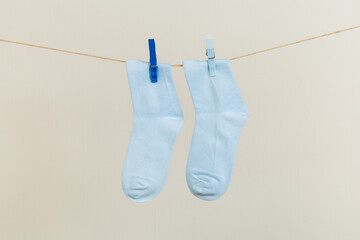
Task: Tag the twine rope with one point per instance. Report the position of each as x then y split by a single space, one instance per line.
180 65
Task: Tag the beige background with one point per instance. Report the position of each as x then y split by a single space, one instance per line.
65 120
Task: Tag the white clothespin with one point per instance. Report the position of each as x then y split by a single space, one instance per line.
210 53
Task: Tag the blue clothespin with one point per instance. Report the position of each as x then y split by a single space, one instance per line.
153 62
210 53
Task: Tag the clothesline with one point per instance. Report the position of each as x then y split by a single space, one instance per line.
180 65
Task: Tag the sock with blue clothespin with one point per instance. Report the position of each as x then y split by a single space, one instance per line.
220 115
157 120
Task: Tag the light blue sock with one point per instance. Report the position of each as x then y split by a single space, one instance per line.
157 120
220 115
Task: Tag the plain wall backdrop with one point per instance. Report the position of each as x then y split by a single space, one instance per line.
65 120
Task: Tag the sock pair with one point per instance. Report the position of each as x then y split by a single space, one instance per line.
220 115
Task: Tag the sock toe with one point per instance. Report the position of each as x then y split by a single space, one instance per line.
139 189
206 186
